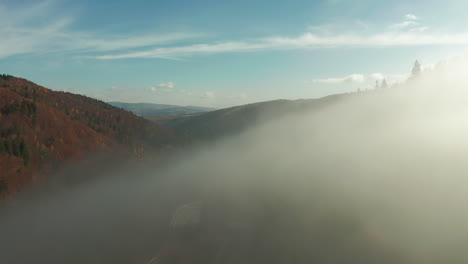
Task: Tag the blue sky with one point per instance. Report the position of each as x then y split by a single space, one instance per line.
224 53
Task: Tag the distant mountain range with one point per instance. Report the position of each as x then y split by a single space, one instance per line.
233 120
146 109
41 129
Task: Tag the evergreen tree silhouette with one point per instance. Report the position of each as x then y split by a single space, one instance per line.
416 71
384 84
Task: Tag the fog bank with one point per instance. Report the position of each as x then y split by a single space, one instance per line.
379 177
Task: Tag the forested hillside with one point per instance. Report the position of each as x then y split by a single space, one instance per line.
41 129
233 120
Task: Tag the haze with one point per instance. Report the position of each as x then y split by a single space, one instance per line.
377 177
251 132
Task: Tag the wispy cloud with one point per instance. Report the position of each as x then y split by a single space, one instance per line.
363 80
411 23
352 78
169 85
412 17
163 87
377 76
404 24
208 95
22 33
304 41
175 52
410 32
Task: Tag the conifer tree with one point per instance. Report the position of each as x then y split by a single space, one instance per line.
416 71
384 84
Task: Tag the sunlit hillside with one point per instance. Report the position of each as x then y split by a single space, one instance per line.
42 129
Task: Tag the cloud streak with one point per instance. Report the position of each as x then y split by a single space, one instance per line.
305 41
353 78
22 33
405 24
365 80
410 23
169 85
411 17
208 95
163 87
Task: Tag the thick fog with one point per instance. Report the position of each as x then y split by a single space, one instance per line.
378 177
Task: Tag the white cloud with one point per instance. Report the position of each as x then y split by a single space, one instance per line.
404 24
411 17
352 78
304 41
163 87
208 95
380 39
169 85
377 76
363 80
410 23
175 52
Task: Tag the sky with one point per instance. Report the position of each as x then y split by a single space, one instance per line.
224 53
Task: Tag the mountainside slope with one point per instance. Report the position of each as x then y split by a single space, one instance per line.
40 129
215 124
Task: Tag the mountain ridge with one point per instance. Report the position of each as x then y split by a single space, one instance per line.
150 109
233 120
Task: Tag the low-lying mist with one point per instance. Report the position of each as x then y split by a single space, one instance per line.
379 177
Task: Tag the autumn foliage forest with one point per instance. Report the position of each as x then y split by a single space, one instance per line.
41 129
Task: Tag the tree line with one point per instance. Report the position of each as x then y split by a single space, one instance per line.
15 147
3 186
24 107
